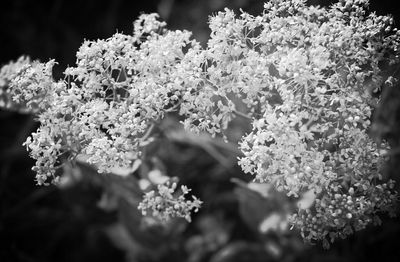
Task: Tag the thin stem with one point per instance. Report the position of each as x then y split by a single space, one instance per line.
242 115
148 132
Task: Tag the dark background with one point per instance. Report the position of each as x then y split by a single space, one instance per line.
49 224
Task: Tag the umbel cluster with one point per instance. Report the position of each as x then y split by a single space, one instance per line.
304 75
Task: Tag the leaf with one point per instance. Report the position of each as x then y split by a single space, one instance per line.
253 207
157 177
307 199
262 207
108 202
273 222
124 171
148 236
242 252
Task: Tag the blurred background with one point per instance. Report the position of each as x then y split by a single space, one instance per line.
87 221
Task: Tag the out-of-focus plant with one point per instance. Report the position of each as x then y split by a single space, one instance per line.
303 76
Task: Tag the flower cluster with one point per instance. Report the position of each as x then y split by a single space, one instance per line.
106 106
7 73
25 84
165 203
313 134
340 212
303 75
104 110
34 86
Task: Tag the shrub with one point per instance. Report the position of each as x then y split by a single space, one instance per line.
307 78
